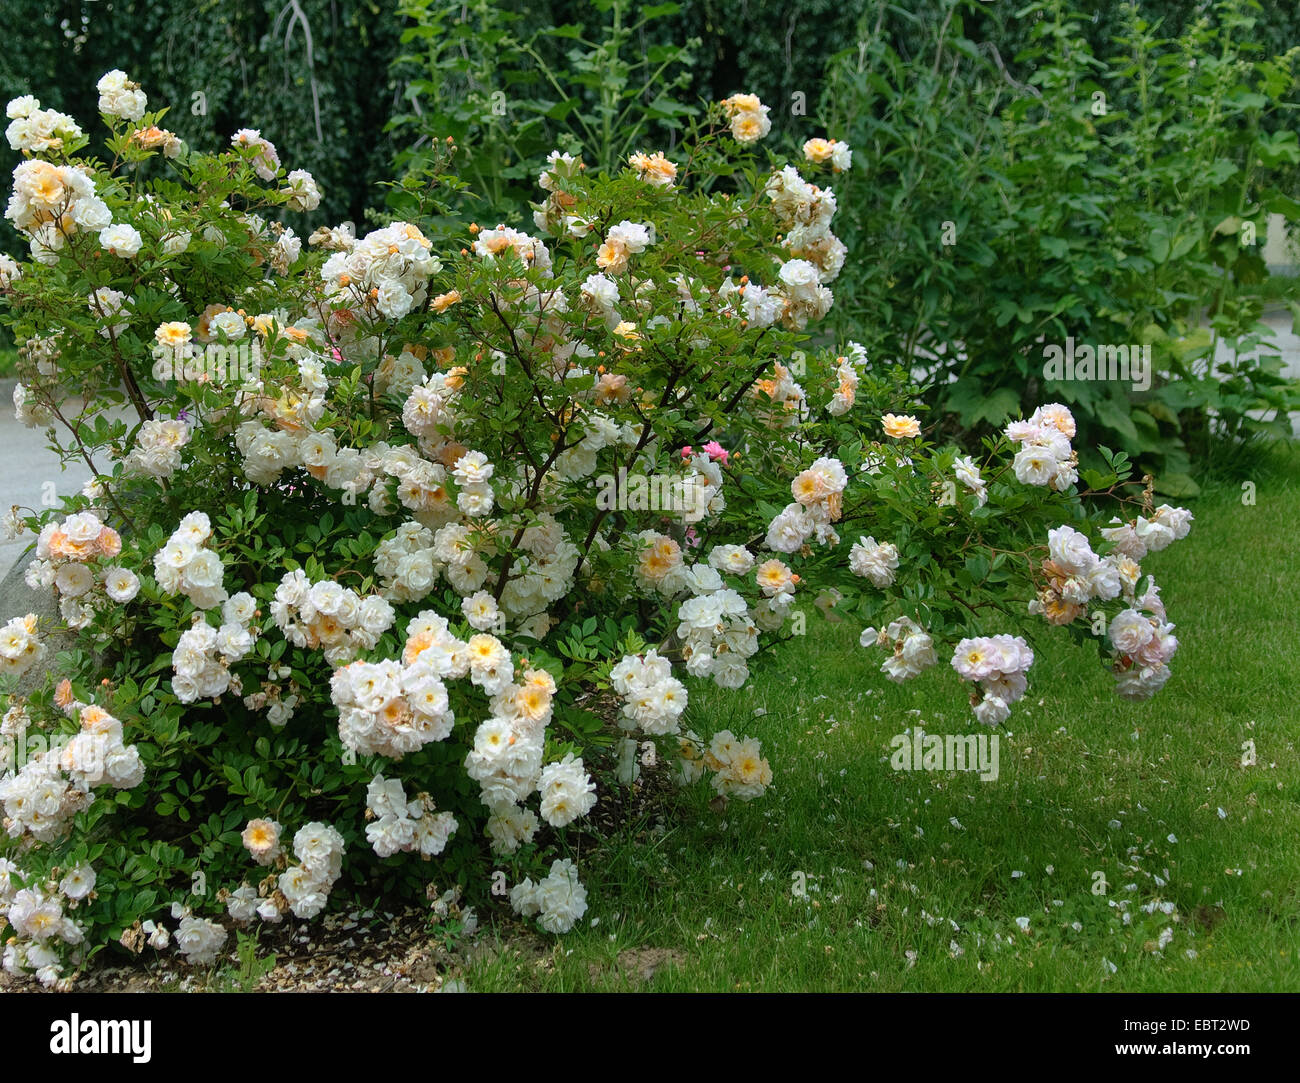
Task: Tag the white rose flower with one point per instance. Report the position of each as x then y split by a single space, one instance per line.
79 882
1130 631
121 584
73 580
1034 465
121 240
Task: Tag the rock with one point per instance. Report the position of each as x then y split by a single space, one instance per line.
17 599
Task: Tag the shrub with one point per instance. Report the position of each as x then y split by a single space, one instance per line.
395 555
1113 201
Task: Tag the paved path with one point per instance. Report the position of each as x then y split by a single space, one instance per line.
1288 343
29 471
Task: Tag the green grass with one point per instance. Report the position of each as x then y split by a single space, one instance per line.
8 360
887 871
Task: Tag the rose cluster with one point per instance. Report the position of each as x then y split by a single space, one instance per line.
748 116
818 502
912 649
41 916
653 699
43 795
328 616
997 666
1143 643
20 646
185 566
1045 456
203 655
557 901
399 824
739 768
74 559
389 709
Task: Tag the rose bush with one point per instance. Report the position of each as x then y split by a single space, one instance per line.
395 555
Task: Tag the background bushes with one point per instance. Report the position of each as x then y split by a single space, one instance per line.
250 59
1109 197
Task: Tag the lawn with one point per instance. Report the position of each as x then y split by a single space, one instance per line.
931 881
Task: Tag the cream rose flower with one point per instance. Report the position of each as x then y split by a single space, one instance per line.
900 426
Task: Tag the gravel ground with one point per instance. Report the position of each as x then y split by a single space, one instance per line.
360 951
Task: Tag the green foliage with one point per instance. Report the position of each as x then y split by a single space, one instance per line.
508 91
1112 199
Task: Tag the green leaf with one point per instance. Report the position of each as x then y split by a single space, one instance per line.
998 406
1115 417
1179 485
